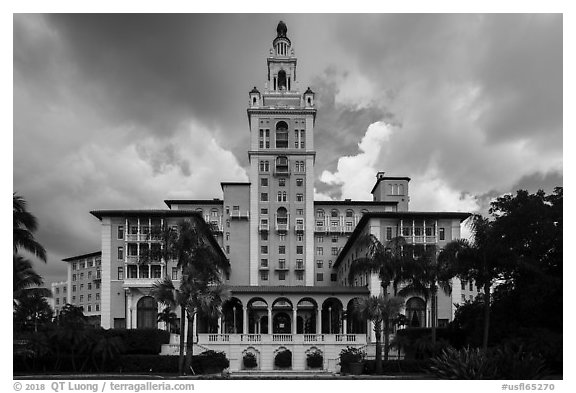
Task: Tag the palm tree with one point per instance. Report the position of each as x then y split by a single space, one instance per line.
425 275
26 281
32 311
24 223
380 310
481 259
202 264
168 317
387 261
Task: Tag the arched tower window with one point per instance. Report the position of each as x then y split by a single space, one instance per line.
282 216
282 80
281 135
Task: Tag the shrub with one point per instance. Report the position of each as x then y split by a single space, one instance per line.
397 366
283 359
350 355
213 361
141 341
149 363
500 363
249 360
315 359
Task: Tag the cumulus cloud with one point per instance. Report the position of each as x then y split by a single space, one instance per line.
353 173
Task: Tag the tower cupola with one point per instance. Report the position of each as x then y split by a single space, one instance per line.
254 98
282 44
309 98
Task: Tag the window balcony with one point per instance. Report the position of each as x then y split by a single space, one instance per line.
281 227
299 266
299 228
281 268
335 229
264 227
319 228
239 214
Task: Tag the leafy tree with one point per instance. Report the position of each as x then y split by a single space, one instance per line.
32 311
106 349
24 224
71 316
483 260
381 310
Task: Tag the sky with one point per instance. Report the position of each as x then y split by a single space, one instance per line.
124 111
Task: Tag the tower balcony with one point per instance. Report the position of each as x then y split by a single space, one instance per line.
281 171
281 227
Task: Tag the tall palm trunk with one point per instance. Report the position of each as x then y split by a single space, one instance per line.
386 339
190 345
378 334
486 315
182 332
433 313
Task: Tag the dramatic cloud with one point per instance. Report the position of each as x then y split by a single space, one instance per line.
124 111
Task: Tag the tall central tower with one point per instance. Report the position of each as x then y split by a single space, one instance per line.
281 121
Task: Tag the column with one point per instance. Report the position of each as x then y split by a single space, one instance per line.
269 319
219 325
195 325
128 310
344 327
234 327
424 229
245 320
294 315
318 320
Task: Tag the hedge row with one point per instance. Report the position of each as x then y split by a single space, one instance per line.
397 366
207 362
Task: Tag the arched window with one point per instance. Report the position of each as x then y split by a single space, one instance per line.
282 215
349 213
281 135
282 80
334 213
320 213
146 313
415 312
253 100
282 165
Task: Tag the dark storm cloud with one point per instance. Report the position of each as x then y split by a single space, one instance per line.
123 111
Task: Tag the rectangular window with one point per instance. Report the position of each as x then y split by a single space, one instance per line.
263 262
330 264
264 236
89 275
81 287
120 232
264 275
121 253
89 297
89 286
74 266
299 250
333 277
73 288
388 233
282 237
299 197
300 238
319 263
299 275
74 277
406 231
81 298
120 273
98 296
319 276
428 231
282 263
281 276
73 299
319 251
442 234
282 182
334 250
227 235
335 239
299 212
174 273
299 182
81 276
264 211
264 197
281 249
320 239
463 285
264 249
